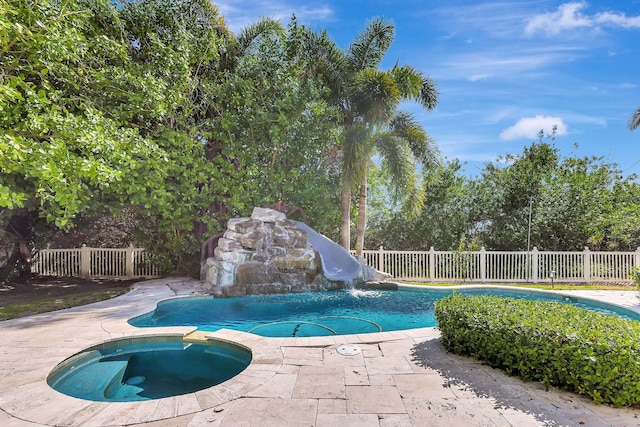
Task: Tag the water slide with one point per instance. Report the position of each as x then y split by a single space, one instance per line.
337 262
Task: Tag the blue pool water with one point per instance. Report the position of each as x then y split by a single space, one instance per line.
146 368
330 313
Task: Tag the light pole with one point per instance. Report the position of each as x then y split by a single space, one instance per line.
529 240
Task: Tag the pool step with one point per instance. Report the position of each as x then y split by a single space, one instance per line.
95 378
118 369
198 337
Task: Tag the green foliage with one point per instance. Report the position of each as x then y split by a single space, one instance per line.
635 275
574 202
60 144
443 223
367 99
557 344
501 198
273 134
154 108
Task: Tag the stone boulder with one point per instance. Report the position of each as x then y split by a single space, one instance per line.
265 253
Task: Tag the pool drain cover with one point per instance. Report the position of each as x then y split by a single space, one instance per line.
349 350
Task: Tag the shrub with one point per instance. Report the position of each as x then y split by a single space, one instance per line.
635 275
557 344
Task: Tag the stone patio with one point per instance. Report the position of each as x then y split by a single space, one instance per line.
400 378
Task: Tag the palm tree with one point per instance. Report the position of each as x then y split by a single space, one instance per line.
368 98
402 145
634 121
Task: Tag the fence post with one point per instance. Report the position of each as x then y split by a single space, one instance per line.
129 262
637 257
432 263
483 264
380 258
85 261
586 262
534 265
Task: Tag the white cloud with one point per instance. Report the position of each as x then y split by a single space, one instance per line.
239 14
478 77
569 16
530 127
617 19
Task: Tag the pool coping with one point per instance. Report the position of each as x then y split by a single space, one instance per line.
34 345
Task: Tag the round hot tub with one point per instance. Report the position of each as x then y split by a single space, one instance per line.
144 368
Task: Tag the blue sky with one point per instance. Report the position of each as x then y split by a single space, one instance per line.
504 69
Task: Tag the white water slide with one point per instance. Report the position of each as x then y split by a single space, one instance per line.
337 263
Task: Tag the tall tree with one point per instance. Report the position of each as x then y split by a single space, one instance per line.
66 142
245 129
503 195
367 99
156 108
572 203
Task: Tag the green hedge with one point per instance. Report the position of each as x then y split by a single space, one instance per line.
557 344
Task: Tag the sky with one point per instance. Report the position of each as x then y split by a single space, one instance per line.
504 69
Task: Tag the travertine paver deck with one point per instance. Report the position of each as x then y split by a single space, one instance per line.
399 379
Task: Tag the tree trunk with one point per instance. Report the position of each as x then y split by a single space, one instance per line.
17 263
345 206
362 218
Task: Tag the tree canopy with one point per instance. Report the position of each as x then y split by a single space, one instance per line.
153 117
155 108
535 198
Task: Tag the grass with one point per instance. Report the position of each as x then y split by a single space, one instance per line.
543 286
52 304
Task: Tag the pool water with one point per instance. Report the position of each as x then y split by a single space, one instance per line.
147 368
331 313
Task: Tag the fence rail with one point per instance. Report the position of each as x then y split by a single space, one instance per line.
122 263
430 266
501 266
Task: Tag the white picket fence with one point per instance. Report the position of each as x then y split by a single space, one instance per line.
122 263
501 266
429 266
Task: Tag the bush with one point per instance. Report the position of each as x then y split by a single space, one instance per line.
557 344
635 275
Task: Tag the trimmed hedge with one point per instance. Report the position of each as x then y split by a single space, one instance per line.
557 344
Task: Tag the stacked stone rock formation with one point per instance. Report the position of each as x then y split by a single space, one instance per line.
266 253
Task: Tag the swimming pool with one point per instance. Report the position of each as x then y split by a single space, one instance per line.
145 368
333 313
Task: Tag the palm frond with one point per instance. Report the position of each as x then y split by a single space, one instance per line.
397 161
356 154
634 120
415 198
404 125
370 46
399 165
375 95
408 80
252 33
429 93
328 62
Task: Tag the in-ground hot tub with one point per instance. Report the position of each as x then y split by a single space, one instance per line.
144 368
